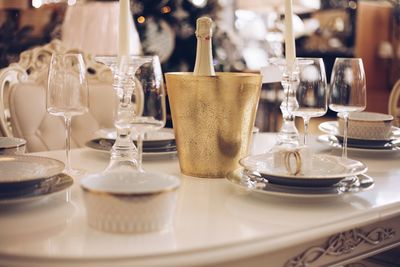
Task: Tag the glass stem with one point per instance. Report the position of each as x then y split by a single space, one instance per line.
346 127
139 145
67 120
306 123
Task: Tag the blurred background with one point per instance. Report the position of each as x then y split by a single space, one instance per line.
247 33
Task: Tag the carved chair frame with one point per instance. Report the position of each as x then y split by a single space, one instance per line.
394 106
33 67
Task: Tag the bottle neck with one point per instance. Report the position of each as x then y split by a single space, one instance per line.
204 59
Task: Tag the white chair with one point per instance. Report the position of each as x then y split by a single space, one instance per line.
394 103
23 101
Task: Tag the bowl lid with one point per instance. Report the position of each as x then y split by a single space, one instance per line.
129 183
368 116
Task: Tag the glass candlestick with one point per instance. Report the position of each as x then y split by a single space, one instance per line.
124 152
288 134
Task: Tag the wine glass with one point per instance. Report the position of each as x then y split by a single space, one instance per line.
311 93
149 103
67 93
348 91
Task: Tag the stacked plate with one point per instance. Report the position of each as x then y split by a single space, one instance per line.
328 176
24 178
160 142
334 139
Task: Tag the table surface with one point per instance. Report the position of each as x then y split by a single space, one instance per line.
214 220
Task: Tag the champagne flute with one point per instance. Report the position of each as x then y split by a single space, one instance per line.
149 103
348 91
311 93
67 93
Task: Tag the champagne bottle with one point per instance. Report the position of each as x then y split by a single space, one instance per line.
204 59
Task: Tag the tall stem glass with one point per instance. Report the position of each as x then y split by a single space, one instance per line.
150 106
67 94
348 91
312 91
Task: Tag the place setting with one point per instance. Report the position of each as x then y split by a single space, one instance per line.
25 178
369 132
28 177
326 176
355 129
291 168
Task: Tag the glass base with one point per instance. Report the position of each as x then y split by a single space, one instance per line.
122 165
288 135
123 158
288 139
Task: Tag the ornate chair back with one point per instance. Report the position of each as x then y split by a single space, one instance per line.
23 101
394 103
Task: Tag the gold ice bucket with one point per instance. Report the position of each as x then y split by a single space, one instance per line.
213 118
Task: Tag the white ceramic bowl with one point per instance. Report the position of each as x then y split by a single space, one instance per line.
12 146
130 202
368 125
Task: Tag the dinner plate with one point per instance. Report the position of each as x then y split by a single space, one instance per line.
105 145
41 189
372 144
254 182
332 127
23 168
324 170
375 144
333 141
162 137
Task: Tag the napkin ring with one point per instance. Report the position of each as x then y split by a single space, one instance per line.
288 163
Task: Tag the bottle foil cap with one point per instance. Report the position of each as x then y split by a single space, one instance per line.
204 27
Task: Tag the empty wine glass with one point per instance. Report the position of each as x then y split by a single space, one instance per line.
149 102
67 93
348 91
311 93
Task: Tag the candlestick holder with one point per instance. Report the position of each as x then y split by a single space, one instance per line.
123 152
288 135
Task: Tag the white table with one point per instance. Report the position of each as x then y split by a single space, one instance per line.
216 224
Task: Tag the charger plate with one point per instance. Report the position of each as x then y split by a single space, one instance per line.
392 147
39 189
254 182
162 137
105 145
372 144
24 168
326 170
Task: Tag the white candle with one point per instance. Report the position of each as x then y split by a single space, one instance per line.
123 30
290 49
